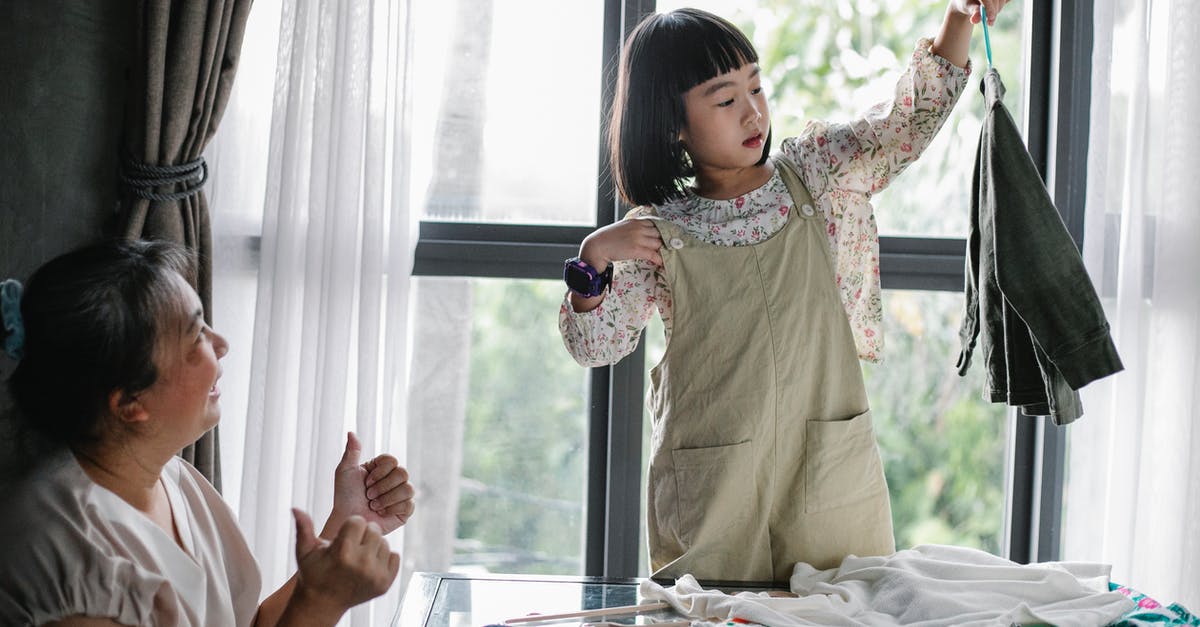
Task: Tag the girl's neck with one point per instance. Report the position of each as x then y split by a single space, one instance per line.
727 183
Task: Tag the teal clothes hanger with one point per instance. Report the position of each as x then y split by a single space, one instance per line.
987 41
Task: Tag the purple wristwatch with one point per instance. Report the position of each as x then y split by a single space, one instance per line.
585 280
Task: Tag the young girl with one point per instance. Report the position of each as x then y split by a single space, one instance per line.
765 271
118 371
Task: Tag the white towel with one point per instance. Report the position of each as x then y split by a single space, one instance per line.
926 586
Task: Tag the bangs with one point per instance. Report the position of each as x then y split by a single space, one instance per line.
697 46
708 46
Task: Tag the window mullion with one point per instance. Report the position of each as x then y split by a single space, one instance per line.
624 445
624 504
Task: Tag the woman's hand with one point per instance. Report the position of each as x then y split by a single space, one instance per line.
334 576
378 491
970 8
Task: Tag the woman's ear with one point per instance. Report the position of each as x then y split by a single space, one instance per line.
126 407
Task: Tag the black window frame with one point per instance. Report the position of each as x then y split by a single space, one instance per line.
1058 105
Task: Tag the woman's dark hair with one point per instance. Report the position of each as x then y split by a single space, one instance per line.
91 320
666 55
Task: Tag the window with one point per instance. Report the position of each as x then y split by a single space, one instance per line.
943 446
513 424
545 459
831 63
945 449
494 102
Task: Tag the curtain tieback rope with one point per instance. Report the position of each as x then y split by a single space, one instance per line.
142 179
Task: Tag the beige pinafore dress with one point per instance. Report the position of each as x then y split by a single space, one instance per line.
762 450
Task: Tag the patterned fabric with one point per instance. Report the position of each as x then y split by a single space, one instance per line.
842 165
1150 612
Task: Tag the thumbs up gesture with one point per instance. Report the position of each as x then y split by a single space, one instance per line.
335 575
377 490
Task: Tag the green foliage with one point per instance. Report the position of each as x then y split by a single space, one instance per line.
524 457
833 60
943 446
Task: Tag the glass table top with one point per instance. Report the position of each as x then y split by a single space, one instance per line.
449 600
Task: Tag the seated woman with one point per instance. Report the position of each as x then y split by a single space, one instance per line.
119 371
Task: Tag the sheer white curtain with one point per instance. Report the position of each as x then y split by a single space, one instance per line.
328 350
1132 497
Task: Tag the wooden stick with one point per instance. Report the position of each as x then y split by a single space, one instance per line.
603 611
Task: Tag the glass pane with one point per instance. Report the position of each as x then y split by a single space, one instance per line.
506 110
943 446
517 402
832 61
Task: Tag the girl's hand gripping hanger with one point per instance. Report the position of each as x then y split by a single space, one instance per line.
987 41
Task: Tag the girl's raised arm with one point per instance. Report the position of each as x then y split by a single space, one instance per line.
953 41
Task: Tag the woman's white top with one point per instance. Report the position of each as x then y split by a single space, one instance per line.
71 547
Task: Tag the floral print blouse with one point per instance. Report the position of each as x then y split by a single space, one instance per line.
842 166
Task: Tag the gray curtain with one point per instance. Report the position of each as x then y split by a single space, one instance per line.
187 54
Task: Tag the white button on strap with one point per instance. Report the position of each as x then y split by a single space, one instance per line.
676 243
807 210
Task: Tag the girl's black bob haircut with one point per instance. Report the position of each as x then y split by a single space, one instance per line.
666 55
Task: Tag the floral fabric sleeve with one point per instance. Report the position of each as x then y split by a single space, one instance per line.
609 332
843 165
865 154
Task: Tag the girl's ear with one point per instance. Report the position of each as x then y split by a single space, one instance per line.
126 407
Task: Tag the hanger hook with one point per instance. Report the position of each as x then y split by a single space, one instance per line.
987 40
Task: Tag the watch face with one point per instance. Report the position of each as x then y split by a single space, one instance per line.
580 280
